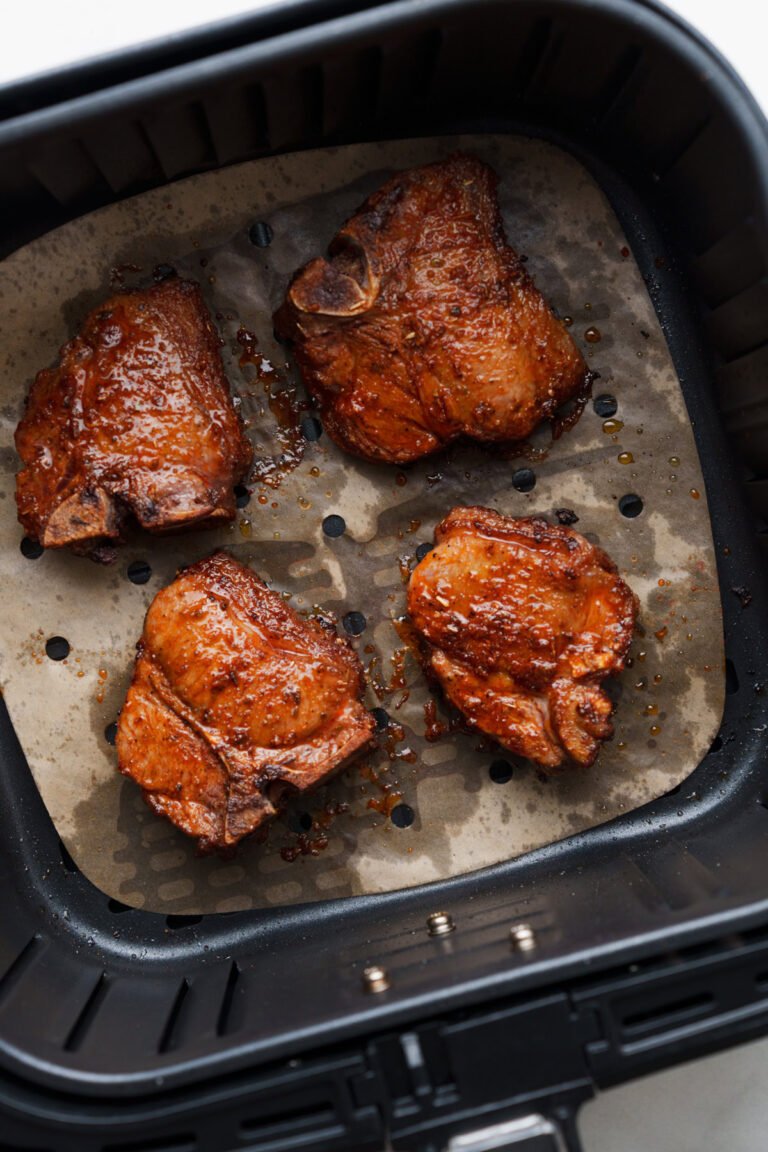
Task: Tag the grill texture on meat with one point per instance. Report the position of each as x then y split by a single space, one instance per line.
235 703
135 420
422 325
520 621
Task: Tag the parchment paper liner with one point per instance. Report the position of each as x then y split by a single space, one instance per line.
671 699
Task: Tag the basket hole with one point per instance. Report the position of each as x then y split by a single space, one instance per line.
731 678
716 744
402 816
500 771
354 623
242 495
110 733
334 526
311 428
30 548
305 822
381 716
605 405
423 550
57 648
524 480
139 572
631 505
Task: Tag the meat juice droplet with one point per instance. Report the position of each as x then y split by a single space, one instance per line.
695 494
389 798
593 335
433 728
626 458
612 426
674 461
249 343
245 529
286 409
305 846
372 674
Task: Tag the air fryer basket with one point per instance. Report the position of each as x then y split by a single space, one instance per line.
125 1030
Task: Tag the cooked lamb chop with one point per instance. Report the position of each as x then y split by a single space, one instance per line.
135 420
235 703
423 325
521 621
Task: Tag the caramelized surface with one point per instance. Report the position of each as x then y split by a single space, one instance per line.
235 702
422 325
135 419
521 621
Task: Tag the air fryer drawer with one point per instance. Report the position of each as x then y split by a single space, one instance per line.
126 1030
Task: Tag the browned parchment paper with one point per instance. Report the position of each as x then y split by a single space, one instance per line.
671 699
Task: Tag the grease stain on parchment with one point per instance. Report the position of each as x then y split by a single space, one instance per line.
554 214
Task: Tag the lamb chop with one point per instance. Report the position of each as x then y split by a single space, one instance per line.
423 325
236 703
136 420
520 622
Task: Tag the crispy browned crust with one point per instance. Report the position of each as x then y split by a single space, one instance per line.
520 621
422 324
136 420
235 702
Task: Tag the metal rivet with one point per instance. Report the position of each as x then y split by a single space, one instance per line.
375 979
523 937
440 924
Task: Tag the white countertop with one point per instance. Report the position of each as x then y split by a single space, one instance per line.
712 1105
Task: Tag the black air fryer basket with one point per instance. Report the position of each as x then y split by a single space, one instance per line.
129 1031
